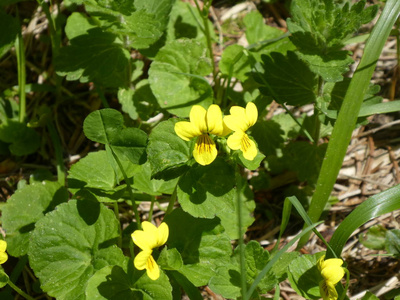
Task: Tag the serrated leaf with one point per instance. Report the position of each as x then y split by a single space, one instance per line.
304 276
21 140
207 191
113 282
288 79
202 244
65 251
167 153
330 66
9 28
106 126
25 207
93 55
176 77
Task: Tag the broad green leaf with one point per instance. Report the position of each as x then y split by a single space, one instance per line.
191 291
3 278
227 281
167 152
113 282
106 126
288 79
186 22
374 238
329 66
269 136
369 296
21 140
235 62
375 206
281 267
257 30
9 28
208 191
392 244
70 244
176 77
249 164
203 245
93 55
25 207
142 181
170 259
140 102
304 276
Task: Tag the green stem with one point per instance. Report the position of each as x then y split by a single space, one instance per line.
153 199
19 291
20 50
134 206
102 97
241 245
116 213
58 149
172 201
347 117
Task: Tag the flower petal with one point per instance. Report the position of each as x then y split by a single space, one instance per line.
238 111
162 234
142 240
153 270
205 150
3 257
186 130
235 123
251 114
214 120
140 261
198 118
327 291
248 148
235 140
332 274
3 246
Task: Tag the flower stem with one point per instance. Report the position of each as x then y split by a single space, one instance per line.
58 150
20 50
172 200
19 291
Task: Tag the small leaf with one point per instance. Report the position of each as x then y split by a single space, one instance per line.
65 251
393 242
288 79
170 259
9 28
257 30
374 238
167 152
113 282
207 191
176 77
25 207
3 278
369 296
22 140
235 62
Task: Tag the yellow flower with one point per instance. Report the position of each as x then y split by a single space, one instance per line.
240 120
147 239
3 254
202 122
332 272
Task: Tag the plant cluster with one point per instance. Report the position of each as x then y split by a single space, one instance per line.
183 136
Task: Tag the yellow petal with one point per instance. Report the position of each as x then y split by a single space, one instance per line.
153 270
235 140
186 130
162 234
140 261
150 237
248 148
214 120
251 114
142 240
3 257
238 111
3 246
332 274
198 118
327 291
205 150
236 123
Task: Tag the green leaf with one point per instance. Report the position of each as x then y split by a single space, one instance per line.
369 296
24 208
250 164
202 244
9 28
191 291
113 282
207 191
93 55
22 140
176 77
392 244
167 152
227 281
66 249
374 238
329 66
3 278
281 267
170 259
304 276
106 126
235 62
288 79
368 109
257 30
269 136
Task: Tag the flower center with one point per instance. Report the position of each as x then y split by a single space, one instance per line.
245 143
204 144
